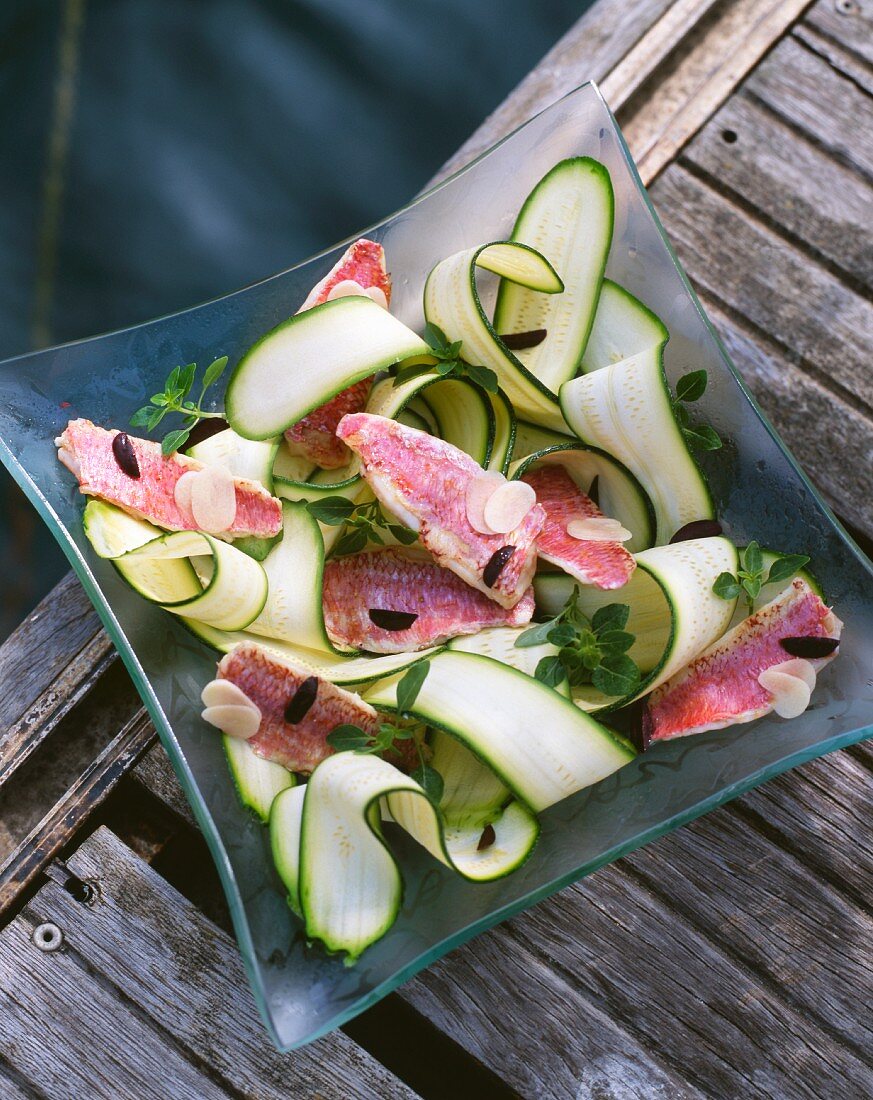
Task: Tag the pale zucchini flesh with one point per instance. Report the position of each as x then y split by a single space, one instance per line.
310 358
623 327
247 458
627 410
257 781
569 218
490 707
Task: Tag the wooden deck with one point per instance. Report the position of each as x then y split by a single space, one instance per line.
730 958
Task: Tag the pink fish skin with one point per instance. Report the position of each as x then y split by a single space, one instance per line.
395 579
602 564
423 482
720 687
271 682
86 450
314 437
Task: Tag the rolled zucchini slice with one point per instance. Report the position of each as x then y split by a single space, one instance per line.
257 781
451 301
308 359
249 458
530 736
620 494
627 410
349 893
623 327
188 573
674 614
569 218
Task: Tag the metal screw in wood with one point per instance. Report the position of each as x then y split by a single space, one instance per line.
47 937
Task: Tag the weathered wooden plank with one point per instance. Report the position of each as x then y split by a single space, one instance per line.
47 665
184 974
672 105
75 806
645 968
765 279
801 87
155 774
791 182
769 911
822 815
849 22
590 50
13 1086
71 1035
814 423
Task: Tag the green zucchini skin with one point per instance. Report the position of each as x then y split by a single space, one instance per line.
257 781
569 217
309 358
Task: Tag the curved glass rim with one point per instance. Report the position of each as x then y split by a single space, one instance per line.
196 799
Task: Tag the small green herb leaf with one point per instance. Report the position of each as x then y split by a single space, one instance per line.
141 417
615 641
613 616
753 561
431 781
692 386
331 511
173 441
403 534
536 635
562 635
550 671
484 377
726 586
616 674
412 371
786 567
348 738
410 685
214 371
435 336
703 436
351 542
752 587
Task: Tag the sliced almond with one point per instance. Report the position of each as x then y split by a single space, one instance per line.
182 494
378 296
347 288
790 693
213 499
479 492
235 721
800 667
598 529
220 693
508 505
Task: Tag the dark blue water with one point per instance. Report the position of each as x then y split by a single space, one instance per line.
154 153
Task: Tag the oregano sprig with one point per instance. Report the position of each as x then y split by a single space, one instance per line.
449 362
365 522
175 398
590 651
351 738
690 388
752 576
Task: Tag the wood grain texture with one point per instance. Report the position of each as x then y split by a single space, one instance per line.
777 175
667 110
634 955
817 320
849 22
818 100
155 774
153 949
47 666
797 405
77 804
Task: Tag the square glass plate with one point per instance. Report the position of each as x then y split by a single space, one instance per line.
759 489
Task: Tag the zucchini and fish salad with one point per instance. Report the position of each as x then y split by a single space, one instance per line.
453 576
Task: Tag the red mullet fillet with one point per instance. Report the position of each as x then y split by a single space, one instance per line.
720 687
423 482
603 564
86 450
394 579
314 437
